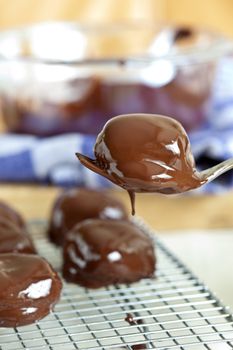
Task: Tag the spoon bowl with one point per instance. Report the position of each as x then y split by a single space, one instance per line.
148 153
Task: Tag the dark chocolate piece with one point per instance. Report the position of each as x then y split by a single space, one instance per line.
29 288
145 153
74 206
14 239
98 253
9 213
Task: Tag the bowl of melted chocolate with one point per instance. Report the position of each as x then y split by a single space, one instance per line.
67 77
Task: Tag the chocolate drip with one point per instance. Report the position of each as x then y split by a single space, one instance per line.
131 321
132 201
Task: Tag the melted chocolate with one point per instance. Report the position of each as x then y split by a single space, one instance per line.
11 214
66 106
145 153
132 322
29 288
74 206
98 253
13 239
138 347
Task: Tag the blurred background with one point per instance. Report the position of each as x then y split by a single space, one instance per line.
185 70
215 14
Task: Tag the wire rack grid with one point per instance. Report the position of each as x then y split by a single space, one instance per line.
173 311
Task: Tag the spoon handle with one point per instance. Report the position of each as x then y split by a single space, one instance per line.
217 170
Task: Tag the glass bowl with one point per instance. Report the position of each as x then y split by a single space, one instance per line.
67 77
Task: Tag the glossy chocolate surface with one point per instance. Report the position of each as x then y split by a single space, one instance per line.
29 288
98 253
9 213
145 153
13 239
76 205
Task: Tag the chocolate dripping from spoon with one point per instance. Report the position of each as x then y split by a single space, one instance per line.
132 201
93 165
148 153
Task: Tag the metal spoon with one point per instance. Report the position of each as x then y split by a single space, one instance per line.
217 170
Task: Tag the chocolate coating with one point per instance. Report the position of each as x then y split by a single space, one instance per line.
98 253
9 213
13 239
145 153
74 206
29 288
131 321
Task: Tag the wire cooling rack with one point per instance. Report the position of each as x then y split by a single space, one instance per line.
173 311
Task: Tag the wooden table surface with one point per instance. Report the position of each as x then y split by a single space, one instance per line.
161 212
215 14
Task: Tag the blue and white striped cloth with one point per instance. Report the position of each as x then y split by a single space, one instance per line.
53 160
214 142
